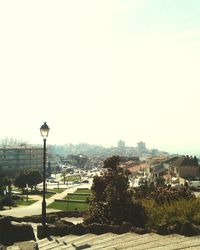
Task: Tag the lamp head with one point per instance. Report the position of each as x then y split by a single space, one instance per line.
44 130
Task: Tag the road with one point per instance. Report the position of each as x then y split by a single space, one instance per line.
36 208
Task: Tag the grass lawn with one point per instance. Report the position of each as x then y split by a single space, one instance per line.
68 206
76 197
39 192
60 190
83 191
25 202
47 195
72 206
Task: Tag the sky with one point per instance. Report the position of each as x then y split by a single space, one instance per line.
98 71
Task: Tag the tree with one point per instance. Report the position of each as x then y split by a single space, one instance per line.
21 181
8 183
2 186
112 163
160 181
111 200
49 170
64 174
12 142
33 178
30 177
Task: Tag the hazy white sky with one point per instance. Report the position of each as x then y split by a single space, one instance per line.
100 71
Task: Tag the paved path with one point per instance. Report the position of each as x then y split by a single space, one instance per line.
36 208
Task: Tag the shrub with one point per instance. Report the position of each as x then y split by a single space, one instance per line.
8 201
163 195
172 213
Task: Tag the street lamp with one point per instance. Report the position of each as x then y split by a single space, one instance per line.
44 130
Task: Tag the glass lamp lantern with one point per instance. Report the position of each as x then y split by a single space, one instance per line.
44 130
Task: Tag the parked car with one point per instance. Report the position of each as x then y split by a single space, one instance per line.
85 181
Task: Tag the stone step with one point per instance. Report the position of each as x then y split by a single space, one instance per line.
193 248
68 237
44 242
64 240
98 244
124 241
72 241
149 242
53 245
80 241
99 239
168 242
120 239
186 242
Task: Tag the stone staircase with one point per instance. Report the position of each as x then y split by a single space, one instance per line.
123 241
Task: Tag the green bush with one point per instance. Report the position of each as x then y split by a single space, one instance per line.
7 201
170 213
163 194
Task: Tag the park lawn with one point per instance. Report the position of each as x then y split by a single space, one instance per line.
83 191
25 202
47 195
58 190
69 206
76 197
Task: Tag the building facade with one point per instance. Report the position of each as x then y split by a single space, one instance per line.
21 157
185 167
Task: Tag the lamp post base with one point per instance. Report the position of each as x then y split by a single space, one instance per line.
42 231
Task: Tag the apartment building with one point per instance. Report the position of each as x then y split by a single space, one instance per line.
22 157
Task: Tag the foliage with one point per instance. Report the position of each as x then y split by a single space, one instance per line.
163 195
7 201
111 201
49 169
168 206
2 186
112 163
30 177
34 178
5 186
170 213
160 181
21 181
5 142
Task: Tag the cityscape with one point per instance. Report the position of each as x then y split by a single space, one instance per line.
39 182
99 131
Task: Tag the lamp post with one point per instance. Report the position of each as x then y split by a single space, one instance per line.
44 130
